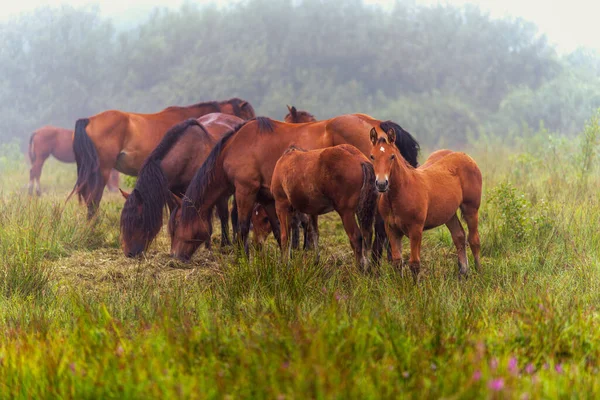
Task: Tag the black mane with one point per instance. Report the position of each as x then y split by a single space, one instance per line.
406 144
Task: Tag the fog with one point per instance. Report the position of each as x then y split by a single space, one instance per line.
446 72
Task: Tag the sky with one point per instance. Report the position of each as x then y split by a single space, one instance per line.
567 23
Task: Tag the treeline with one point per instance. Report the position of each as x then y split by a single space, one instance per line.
445 73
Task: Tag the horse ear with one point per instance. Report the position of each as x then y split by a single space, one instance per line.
243 104
124 193
178 200
289 108
373 136
391 133
138 196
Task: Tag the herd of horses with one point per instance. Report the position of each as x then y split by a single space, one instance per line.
282 176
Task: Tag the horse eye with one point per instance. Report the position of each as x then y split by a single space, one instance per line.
372 157
392 157
265 219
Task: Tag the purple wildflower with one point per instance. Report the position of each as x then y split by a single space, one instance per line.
559 368
72 367
513 365
494 363
496 384
476 375
405 374
530 369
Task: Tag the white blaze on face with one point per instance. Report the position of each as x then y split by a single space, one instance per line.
382 149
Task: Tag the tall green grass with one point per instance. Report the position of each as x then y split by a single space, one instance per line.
81 321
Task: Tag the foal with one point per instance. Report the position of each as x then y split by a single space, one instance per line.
417 199
316 182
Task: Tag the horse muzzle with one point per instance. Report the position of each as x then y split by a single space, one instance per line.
382 186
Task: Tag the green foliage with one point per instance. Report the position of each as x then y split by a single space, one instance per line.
442 72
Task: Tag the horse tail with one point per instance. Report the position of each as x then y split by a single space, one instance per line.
367 200
89 178
405 142
31 150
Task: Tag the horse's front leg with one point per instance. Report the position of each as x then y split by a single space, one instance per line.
245 198
273 220
415 233
395 239
284 214
223 213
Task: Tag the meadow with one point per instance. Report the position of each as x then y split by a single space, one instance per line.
79 320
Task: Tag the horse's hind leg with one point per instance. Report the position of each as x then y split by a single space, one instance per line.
245 198
459 239
274 221
284 214
296 231
35 173
471 216
223 213
380 241
356 238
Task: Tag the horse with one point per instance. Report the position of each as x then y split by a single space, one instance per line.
416 199
261 226
121 140
58 142
168 171
243 162
316 182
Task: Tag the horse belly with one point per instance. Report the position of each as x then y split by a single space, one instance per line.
127 164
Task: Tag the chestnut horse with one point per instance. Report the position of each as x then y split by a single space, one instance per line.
261 226
243 162
416 199
319 181
169 169
58 142
120 140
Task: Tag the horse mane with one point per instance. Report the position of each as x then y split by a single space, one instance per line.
265 124
295 114
406 144
204 177
172 137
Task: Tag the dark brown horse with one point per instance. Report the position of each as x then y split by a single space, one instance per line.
169 169
261 226
243 162
58 142
120 140
416 199
316 182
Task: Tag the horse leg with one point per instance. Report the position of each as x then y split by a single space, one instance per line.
356 238
245 199
274 221
395 241
223 213
35 173
415 235
96 195
459 239
305 227
313 223
284 214
471 216
380 241
296 231
234 220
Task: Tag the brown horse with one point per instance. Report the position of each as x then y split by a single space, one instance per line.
417 199
58 142
243 162
120 140
261 226
319 181
169 169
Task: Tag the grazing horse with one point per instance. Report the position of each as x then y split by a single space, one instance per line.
50 140
319 181
243 162
169 169
261 226
120 140
417 199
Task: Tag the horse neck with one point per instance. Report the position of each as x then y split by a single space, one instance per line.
401 177
198 110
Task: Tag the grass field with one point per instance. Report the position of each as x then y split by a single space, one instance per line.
81 321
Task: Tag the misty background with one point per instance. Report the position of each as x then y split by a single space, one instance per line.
445 73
